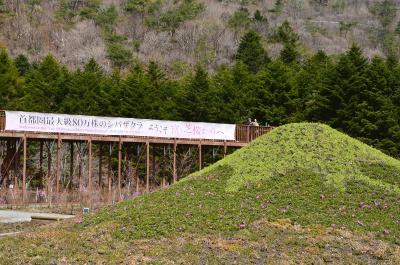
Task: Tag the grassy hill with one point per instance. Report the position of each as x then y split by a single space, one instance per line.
302 193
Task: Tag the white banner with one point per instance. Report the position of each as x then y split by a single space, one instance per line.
79 124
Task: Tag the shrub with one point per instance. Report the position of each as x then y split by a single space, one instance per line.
173 18
240 19
107 17
119 55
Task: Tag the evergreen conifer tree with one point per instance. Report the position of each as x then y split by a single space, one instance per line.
10 82
251 52
22 64
43 87
289 54
86 91
196 103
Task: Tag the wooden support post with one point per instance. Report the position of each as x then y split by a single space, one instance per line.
200 157
100 164
147 166
58 164
174 163
90 167
225 148
119 167
136 170
71 165
248 133
24 172
49 181
41 156
80 166
153 162
16 162
109 180
137 179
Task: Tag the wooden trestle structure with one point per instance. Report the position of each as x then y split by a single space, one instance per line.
14 149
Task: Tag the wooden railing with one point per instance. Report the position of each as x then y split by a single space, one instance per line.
247 133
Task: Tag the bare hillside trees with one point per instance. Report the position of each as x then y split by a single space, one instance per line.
189 31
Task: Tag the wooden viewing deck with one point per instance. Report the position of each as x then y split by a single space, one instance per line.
14 144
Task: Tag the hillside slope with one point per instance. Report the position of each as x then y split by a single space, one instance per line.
302 193
177 33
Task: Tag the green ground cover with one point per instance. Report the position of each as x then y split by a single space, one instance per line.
304 192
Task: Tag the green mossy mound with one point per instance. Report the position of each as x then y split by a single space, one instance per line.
308 173
316 148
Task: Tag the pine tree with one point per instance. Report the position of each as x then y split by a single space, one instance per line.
289 54
251 52
312 87
196 98
230 96
273 90
285 34
155 74
10 82
86 91
372 115
43 87
133 97
22 64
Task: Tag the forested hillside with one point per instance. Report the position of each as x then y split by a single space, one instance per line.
182 33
